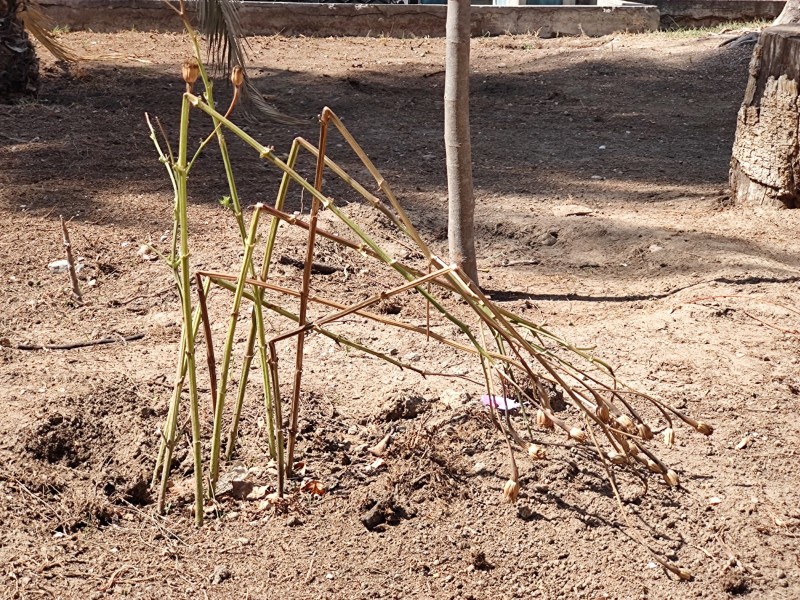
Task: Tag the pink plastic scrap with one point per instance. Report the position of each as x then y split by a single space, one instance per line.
499 402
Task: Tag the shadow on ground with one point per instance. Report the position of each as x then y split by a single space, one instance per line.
559 127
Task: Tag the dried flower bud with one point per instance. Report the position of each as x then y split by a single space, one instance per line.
536 452
628 447
190 72
602 413
704 428
237 76
616 458
626 424
669 436
645 432
653 466
511 491
671 477
577 434
542 420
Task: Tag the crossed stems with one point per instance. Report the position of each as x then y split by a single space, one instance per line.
496 319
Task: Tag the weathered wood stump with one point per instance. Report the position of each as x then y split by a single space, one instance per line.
765 168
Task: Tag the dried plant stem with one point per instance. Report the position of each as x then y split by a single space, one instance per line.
310 247
73 275
674 569
223 280
212 363
219 278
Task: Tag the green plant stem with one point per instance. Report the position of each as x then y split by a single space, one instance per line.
228 349
257 331
186 305
168 437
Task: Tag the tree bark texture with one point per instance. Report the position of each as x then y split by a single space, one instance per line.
790 13
458 147
19 67
765 167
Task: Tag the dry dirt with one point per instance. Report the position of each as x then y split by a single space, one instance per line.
691 298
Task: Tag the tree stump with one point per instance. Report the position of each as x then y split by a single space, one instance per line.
765 167
19 67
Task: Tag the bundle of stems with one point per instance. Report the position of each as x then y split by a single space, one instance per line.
517 358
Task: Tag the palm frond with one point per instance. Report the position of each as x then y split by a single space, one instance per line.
37 24
219 21
253 103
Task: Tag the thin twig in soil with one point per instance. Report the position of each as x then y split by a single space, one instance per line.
111 580
771 326
56 514
84 344
171 288
73 274
310 575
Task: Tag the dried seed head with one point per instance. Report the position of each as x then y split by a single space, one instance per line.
542 420
577 434
237 76
628 447
511 491
616 458
653 466
190 72
602 413
671 477
704 428
669 436
645 432
536 452
626 423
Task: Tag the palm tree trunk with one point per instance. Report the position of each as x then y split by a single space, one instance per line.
19 67
458 148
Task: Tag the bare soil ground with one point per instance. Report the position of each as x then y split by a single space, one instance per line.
693 299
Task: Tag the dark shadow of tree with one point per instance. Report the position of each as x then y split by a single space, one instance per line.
92 128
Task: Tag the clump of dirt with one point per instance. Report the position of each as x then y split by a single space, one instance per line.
735 584
401 404
60 439
479 561
383 512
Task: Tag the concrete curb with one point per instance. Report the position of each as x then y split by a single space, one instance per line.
395 20
706 13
